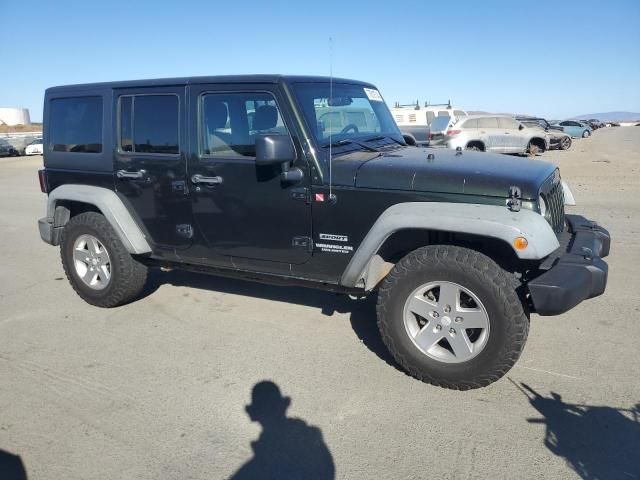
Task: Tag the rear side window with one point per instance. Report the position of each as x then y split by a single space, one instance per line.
430 117
149 124
75 125
473 123
488 122
459 113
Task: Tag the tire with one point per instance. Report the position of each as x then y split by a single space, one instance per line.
586 134
533 149
117 278
495 289
474 148
565 143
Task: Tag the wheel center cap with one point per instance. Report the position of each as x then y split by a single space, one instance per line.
446 321
94 261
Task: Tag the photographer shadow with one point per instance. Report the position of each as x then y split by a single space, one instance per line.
11 467
597 442
288 448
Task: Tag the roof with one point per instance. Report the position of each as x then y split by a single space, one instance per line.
160 82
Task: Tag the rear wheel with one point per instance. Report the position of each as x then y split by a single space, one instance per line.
451 316
474 147
533 149
565 143
98 266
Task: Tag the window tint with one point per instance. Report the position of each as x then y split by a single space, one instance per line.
149 124
473 123
459 113
76 125
443 113
230 122
508 123
488 122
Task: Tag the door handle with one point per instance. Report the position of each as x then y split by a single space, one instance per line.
197 178
125 175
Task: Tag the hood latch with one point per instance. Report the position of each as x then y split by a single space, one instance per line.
514 202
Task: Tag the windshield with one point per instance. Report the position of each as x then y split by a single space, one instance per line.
354 112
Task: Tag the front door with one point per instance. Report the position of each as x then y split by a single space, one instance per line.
244 212
150 163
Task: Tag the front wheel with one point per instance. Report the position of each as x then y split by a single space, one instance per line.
451 317
586 133
98 266
565 143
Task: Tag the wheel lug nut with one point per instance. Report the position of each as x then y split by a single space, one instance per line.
458 319
438 327
447 308
435 314
452 331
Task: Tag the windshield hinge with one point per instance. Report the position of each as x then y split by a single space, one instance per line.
514 202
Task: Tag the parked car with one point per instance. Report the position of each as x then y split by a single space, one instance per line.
495 133
557 138
459 246
575 129
34 148
8 150
595 123
416 122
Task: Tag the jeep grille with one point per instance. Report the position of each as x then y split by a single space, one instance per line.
554 196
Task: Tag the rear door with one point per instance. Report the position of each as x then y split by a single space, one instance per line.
150 163
246 214
491 134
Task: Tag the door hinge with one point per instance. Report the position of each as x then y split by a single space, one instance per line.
184 230
179 186
303 242
301 193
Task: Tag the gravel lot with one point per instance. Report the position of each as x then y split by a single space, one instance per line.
158 389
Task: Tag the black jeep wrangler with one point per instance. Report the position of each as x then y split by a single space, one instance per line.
308 181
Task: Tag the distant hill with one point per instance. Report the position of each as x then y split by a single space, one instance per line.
610 116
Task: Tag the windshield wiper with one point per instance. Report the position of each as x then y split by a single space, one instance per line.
382 137
346 141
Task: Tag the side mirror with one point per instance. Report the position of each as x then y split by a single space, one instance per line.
273 149
521 127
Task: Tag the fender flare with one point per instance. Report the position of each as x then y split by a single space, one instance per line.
483 220
111 206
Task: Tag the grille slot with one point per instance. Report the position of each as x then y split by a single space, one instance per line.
554 196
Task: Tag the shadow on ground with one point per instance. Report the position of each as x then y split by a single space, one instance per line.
597 442
287 447
363 311
11 467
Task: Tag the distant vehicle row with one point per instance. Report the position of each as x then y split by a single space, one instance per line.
32 148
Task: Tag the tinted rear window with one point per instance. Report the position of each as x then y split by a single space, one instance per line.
75 125
440 123
149 124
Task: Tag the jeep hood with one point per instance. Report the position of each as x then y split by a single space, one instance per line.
466 172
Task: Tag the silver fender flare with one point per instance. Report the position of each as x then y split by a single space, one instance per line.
482 220
108 202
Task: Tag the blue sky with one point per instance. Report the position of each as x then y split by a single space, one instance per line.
552 58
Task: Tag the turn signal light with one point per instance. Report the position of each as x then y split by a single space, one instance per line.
520 243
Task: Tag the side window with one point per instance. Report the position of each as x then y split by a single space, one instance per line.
230 122
150 124
443 113
488 122
430 117
76 125
473 123
459 113
508 123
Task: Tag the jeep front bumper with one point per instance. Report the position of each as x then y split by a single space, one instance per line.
574 272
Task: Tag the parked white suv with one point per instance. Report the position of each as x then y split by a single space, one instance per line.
495 133
418 122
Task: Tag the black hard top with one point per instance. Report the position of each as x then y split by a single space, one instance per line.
160 82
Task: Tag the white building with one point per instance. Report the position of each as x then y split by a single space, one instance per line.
14 116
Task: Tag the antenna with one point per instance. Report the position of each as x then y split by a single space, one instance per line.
332 197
